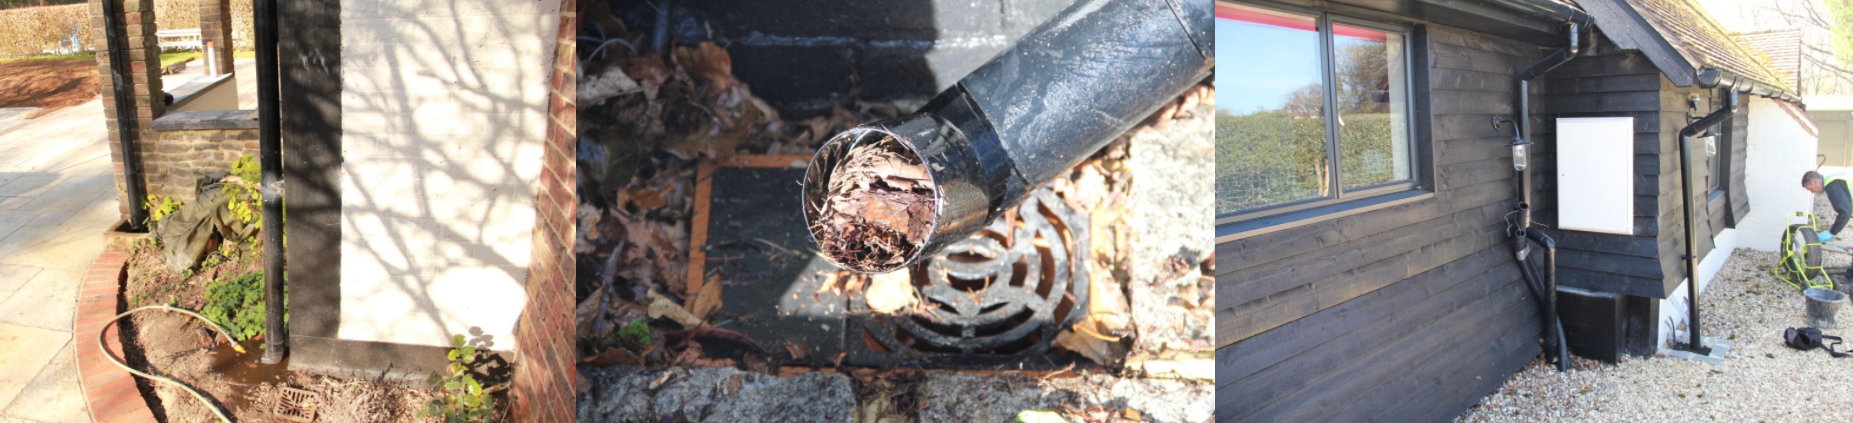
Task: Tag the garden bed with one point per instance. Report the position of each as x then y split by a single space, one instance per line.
183 348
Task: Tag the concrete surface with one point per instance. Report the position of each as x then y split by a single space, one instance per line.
713 394
57 195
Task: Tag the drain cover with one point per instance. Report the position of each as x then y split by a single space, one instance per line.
1000 296
296 405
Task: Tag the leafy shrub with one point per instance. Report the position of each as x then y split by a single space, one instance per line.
243 198
238 304
461 397
160 206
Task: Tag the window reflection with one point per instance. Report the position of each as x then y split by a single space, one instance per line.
1270 117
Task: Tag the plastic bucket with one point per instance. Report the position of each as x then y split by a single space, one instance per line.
1822 304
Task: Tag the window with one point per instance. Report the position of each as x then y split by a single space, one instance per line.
1315 111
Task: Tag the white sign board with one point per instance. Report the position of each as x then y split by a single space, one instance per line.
1595 174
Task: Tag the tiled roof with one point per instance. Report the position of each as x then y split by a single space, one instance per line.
1702 41
1780 49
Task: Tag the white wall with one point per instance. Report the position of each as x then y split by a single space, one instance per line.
444 111
1780 149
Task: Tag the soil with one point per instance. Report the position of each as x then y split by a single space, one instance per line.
880 210
183 348
47 84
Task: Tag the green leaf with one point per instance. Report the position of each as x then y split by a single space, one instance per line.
453 355
456 341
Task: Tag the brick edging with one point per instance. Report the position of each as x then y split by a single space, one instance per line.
109 391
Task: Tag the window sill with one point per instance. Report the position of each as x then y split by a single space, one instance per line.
1234 231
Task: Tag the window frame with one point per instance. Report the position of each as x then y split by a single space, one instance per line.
1342 201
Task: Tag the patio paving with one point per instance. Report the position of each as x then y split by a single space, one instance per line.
57 195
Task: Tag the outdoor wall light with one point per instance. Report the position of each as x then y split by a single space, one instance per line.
1711 143
1519 158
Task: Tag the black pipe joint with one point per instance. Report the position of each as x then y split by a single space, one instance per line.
1035 110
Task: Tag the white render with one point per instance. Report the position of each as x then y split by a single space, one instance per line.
444 117
1781 147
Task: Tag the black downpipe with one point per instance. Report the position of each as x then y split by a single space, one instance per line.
1545 285
1693 343
125 114
1547 294
270 160
1051 100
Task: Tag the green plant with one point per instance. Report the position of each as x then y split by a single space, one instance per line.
160 206
243 198
238 304
635 336
461 397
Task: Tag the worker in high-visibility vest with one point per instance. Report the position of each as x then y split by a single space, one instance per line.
1835 186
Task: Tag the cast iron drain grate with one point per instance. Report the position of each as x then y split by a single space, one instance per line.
296 405
1000 296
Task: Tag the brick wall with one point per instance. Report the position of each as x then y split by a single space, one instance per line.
172 160
144 75
215 27
544 373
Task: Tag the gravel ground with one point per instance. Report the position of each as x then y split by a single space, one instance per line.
1762 379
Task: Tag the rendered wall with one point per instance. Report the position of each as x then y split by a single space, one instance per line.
1781 147
444 117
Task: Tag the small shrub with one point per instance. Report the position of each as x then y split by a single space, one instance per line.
238 305
461 397
243 198
159 207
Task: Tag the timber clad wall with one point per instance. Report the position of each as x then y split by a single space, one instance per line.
1409 313
543 384
1618 83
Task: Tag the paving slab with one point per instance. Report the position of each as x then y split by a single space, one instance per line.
47 302
24 352
12 277
57 195
54 395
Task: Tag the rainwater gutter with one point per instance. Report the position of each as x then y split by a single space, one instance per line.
1709 78
119 71
1543 282
270 161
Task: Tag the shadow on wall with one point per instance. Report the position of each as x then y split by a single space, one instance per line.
443 118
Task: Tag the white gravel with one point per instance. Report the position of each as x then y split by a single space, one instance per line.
1762 379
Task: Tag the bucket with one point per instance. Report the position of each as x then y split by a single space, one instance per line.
1822 304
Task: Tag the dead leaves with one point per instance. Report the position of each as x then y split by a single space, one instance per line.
709 62
707 297
881 207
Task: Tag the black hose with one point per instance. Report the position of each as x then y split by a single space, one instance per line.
119 68
1029 114
270 160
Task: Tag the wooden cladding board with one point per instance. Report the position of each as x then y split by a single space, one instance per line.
1407 313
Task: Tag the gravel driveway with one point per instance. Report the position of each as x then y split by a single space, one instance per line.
1762 380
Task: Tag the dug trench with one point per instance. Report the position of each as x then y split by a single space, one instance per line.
702 294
